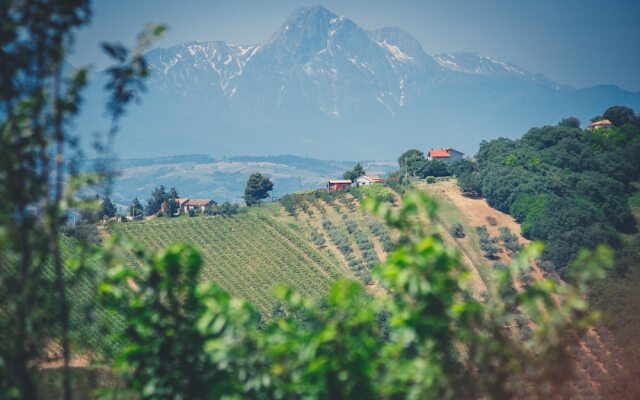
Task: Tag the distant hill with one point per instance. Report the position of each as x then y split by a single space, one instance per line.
323 87
202 176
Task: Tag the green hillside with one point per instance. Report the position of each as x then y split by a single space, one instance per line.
248 254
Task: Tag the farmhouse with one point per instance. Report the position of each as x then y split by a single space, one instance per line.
366 180
602 124
192 204
447 155
338 184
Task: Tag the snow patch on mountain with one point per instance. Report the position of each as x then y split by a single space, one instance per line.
395 50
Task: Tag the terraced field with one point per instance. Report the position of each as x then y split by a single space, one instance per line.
338 227
248 255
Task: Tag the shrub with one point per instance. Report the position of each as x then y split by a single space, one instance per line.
225 209
487 242
509 240
378 192
457 230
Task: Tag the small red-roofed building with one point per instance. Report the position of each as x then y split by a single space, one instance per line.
602 124
447 155
186 204
338 184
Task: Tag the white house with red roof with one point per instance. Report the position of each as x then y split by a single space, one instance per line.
602 124
366 180
447 155
186 204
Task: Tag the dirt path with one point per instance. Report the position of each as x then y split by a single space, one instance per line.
477 210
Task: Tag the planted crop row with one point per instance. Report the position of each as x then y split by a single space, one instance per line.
245 254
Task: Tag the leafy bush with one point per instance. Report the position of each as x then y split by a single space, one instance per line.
225 209
509 240
457 230
487 242
378 192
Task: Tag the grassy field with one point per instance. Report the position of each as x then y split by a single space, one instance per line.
248 255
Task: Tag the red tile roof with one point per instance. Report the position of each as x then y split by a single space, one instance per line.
339 181
439 153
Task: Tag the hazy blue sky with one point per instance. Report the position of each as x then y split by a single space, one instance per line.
579 42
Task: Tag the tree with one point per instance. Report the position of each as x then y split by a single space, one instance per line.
354 173
40 179
570 122
107 208
470 184
435 168
135 209
172 203
257 189
154 204
457 230
462 166
411 161
619 115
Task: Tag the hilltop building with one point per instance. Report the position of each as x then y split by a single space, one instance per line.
184 204
338 184
366 180
447 155
602 124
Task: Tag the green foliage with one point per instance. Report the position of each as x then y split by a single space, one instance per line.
509 240
176 324
425 339
461 167
135 209
411 162
107 208
158 197
470 184
528 210
619 115
457 230
434 168
378 192
566 186
41 182
162 203
570 122
354 173
225 209
487 242
258 188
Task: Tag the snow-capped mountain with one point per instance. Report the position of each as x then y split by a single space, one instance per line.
322 86
199 66
316 55
473 63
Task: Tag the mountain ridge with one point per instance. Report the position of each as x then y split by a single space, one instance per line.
321 86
